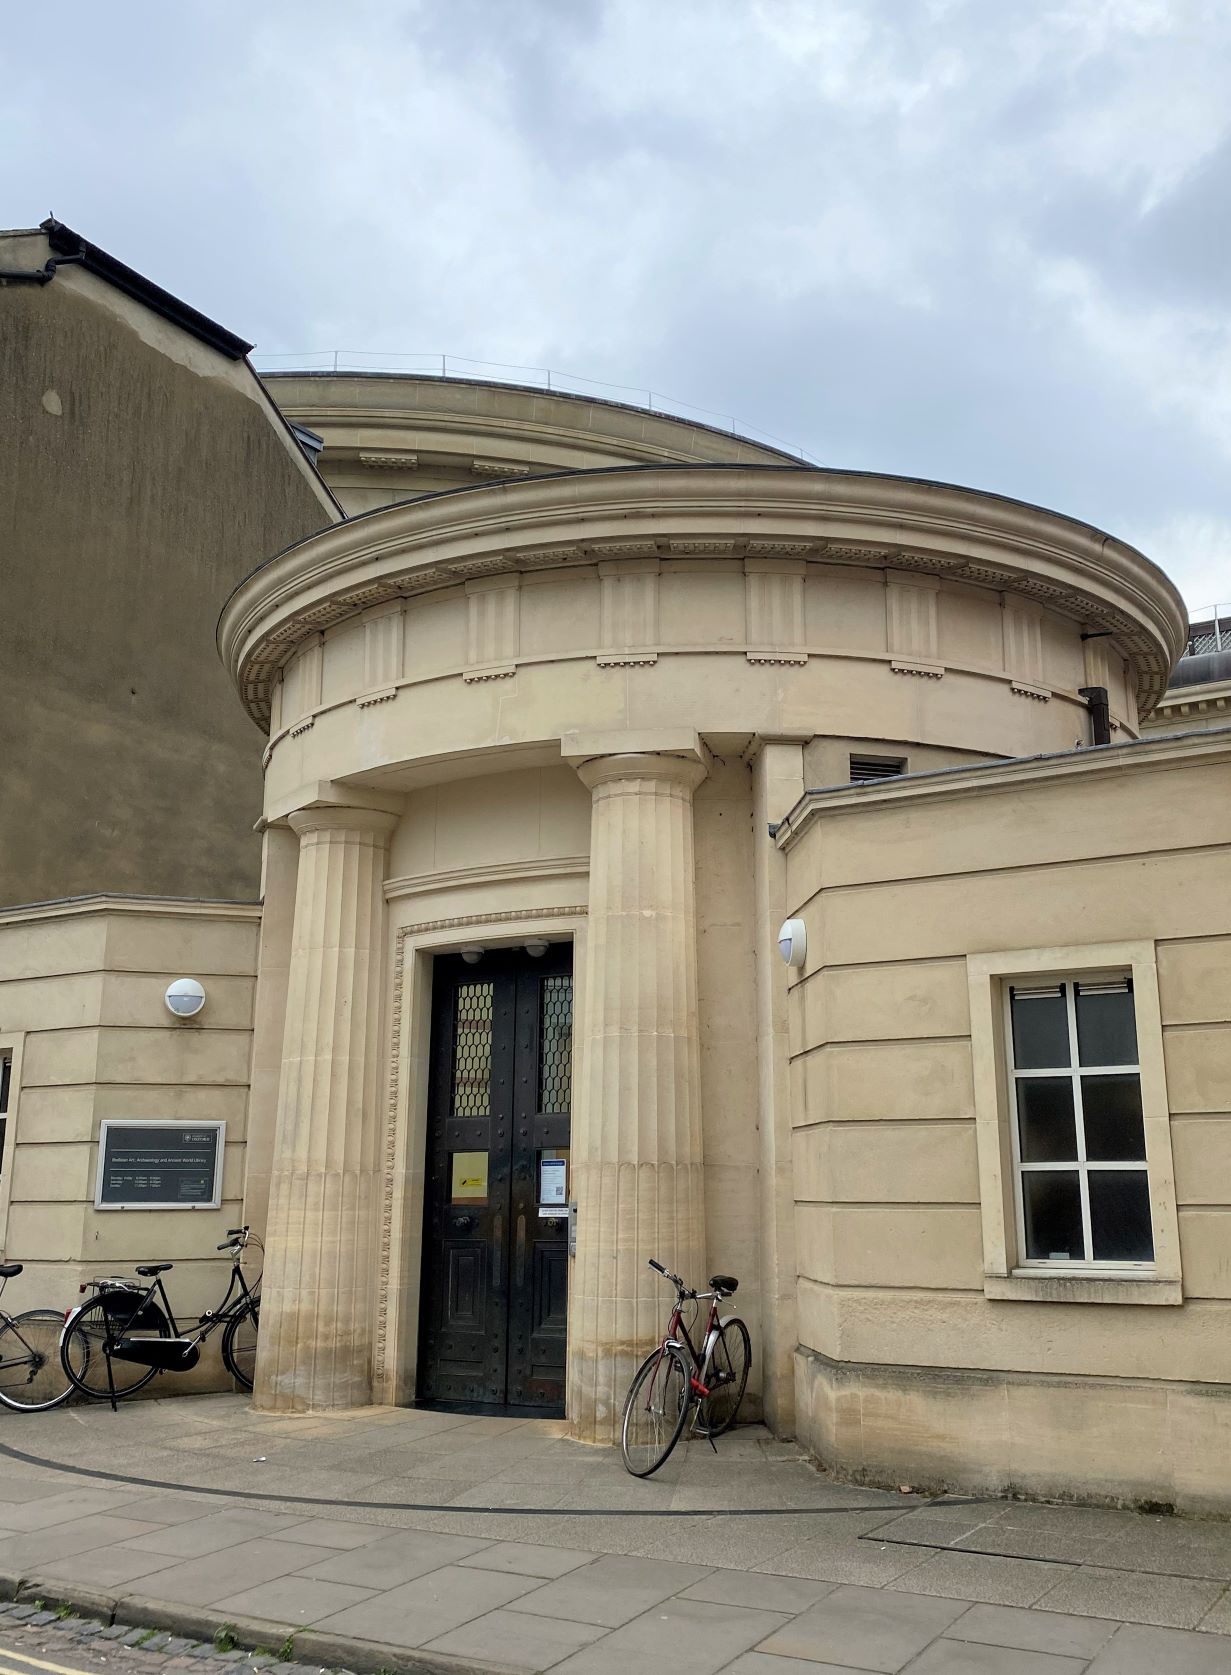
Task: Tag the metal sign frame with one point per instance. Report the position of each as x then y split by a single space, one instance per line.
214 1202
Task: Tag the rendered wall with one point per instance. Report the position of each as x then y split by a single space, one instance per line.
907 1371
144 475
82 1011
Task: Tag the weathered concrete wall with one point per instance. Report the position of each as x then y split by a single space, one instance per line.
144 475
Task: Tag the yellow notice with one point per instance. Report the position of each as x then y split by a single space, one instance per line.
469 1175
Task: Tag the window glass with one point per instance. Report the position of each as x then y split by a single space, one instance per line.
1040 1029
1120 1215
1080 1140
1115 1132
472 1050
1047 1127
1052 1202
556 1043
1106 1030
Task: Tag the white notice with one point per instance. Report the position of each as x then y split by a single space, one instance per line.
553 1180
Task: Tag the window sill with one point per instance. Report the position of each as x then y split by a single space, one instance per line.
1027 1285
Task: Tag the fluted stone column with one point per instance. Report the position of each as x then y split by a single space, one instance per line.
318 1293
637 1129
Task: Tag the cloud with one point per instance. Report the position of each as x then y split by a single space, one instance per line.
984 243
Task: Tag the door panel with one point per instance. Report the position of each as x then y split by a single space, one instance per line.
494 1303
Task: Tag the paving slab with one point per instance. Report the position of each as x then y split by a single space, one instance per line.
104 1567
65 1505
332 1532
765 1663
696 1638
76 1536
960 1657
769 1593
1032 1631
611 1591
998 1581
515 1640
524 1559
869 1628
420 1611
1134 1650
293 1600
219 1574
1134 1597
395 1558
859 1562
211 1534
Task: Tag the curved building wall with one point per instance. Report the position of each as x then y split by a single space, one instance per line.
572 709
393 436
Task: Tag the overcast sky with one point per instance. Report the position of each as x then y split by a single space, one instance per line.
980 240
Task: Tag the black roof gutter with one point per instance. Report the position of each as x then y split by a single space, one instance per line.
69 247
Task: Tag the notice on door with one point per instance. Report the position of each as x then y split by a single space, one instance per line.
160 1166
469 1177
553 1183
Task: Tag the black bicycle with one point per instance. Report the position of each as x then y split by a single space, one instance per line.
31 1378
127 1333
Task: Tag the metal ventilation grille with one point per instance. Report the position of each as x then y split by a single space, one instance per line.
876 767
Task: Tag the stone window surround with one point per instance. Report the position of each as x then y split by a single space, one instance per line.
1003 1279
11 1046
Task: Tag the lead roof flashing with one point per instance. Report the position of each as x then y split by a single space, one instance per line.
65 243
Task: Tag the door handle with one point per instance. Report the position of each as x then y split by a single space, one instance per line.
497 1250
521 1251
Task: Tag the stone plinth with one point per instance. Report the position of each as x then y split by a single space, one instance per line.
637 1129
318 1295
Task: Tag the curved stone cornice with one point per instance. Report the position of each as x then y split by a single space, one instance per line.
849 518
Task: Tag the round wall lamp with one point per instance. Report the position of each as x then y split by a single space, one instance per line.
793 941
185 997
472 953
536 948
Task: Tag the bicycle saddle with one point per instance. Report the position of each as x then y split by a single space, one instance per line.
152 1268
718 1282
9 1269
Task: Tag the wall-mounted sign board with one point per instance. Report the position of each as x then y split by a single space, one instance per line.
160 1166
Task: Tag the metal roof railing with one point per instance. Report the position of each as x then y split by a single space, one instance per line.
1209 629
540 377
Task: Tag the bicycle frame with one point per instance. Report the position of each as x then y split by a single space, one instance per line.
678 1335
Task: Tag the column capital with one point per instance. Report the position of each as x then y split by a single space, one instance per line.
675 770
375 824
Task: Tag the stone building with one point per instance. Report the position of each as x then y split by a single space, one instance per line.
143 471
575 707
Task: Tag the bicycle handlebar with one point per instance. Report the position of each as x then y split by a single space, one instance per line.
675 1279
237 1238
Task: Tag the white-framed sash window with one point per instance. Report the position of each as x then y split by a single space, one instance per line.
1076 1182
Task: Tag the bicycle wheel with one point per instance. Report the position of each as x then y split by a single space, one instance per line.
83 1356
727 1380
31 1377
654 1411
239 1344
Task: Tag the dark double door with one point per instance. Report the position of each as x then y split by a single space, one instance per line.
494 1293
